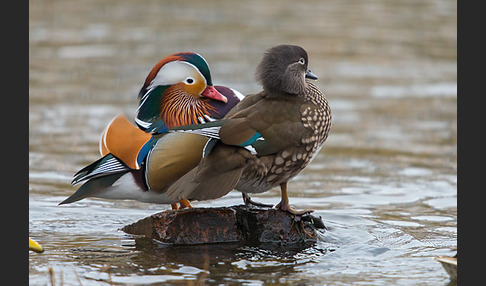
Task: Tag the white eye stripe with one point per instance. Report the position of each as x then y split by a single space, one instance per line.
175 72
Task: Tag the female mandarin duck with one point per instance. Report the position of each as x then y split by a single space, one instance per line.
141 163
266 139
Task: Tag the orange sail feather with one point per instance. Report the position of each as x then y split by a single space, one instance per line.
124 140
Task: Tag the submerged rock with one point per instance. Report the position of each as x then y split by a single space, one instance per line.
227 224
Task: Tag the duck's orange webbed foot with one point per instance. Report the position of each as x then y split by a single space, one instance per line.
285 206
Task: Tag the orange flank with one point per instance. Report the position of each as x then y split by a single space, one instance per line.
124 140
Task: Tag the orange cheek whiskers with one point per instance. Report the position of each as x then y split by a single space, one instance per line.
179 108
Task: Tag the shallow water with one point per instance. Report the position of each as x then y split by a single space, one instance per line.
385 182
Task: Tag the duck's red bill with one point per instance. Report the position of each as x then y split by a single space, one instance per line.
211 92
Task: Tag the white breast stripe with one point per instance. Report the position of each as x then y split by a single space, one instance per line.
209 146
209 118
238 94
142 123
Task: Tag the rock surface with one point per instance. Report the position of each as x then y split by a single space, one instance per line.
227 224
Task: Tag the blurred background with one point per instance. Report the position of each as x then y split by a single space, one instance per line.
385 182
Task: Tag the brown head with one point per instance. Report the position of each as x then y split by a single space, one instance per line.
283 69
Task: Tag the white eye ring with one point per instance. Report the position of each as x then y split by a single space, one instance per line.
190 80
302 61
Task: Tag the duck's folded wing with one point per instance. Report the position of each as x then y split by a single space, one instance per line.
171 157
109 164
213 177
95 185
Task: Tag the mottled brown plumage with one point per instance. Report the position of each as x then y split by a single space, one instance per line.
291 114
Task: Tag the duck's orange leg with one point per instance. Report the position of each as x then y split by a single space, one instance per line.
185 204
285 206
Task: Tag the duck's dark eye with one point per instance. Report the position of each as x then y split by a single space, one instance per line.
190 80
302 61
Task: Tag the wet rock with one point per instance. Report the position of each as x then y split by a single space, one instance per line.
227 224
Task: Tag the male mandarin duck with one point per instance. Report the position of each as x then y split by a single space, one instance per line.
140 163
266 139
